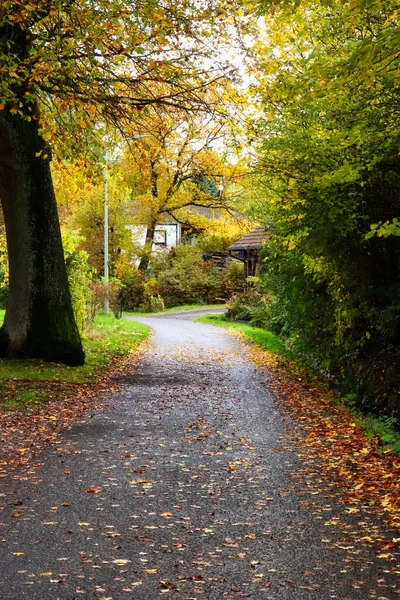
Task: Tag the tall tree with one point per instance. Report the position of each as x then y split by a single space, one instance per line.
176 174
80 195
329 168
68 64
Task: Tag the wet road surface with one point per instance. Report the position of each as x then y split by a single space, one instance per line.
186 487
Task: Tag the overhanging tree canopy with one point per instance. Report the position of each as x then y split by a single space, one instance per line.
65 65
329 169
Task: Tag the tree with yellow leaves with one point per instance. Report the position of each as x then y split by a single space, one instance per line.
176 173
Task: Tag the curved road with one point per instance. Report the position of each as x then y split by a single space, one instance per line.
187 488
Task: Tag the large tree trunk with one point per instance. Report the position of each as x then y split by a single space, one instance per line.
39 321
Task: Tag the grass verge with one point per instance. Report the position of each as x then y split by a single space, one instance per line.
30 383
381 430
263 338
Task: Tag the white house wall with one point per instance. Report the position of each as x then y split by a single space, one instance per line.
166 236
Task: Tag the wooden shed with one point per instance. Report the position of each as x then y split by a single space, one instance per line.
247 249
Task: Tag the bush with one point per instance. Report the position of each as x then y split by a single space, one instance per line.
79 277
100 292
232 279
152 301
185 278
134 289
252 306
341 309
180 277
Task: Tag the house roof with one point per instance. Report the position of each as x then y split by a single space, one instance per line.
252 240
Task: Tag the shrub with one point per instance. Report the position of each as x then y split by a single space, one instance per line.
241 307
252 305
186 278
100 292
152 301
153 304
180 277
134 289
79 276
232 279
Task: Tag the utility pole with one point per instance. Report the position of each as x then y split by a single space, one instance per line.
106 278
106 226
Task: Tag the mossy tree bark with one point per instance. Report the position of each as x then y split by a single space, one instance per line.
39 321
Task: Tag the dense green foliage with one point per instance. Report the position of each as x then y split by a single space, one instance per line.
79 277
252 305
185 277
330 169
180 277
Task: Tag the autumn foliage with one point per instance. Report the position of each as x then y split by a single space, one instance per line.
328 166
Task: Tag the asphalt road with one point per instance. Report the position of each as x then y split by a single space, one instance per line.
187 315
186 487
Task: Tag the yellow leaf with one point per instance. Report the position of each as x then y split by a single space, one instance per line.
121 561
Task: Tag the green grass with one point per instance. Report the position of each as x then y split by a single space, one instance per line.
28 383
108 337
111 337
261 337
181 308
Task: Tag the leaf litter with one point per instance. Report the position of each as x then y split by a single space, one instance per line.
187 532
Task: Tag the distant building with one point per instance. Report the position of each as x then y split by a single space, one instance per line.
170 234
166 236
247 250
